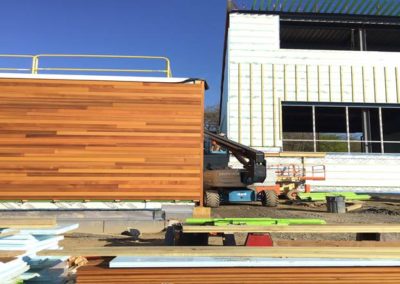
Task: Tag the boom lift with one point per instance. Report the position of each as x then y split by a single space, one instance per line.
224 184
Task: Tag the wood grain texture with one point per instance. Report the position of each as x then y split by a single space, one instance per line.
20 223
100 140
238 251
315 229
97 271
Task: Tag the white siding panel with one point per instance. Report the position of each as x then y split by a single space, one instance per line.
391 84
357 84
361 171
253 33
254 111
369 84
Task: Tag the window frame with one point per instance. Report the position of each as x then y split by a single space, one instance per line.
381 140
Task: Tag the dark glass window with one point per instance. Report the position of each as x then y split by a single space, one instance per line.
341 129
330 125
301 35
311 37
297 125
391 129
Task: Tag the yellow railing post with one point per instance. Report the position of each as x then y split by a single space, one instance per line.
35 64
168 68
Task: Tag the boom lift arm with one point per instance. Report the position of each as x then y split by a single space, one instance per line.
253 161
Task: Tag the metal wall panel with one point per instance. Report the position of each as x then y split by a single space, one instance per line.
261 76
344 172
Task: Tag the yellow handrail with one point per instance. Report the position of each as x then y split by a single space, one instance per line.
35 68
16 56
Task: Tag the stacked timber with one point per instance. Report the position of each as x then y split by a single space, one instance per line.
215 264
98 271
353 262
74 139
20 242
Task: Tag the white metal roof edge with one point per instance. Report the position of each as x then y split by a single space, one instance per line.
93 78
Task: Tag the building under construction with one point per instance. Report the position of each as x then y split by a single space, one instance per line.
317 83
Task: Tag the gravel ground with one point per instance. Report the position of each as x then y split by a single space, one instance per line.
381 209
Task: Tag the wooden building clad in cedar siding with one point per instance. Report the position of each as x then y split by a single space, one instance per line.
100 140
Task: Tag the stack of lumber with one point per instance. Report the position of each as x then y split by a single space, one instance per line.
98 271
252 221
21 240
363 262
217 264
316 229
382 253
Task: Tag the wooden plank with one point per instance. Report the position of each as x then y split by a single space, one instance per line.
201 212
331 243
279 252
61 139
98 271
27 222
318 229
11 253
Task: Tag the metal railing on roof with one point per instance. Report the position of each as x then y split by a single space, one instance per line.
36 65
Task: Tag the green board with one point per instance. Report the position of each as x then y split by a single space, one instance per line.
321 196
252 221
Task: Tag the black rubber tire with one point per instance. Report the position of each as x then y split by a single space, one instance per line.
169 239
212 198
270 198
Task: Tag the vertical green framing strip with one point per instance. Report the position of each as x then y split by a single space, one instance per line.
251 102
374 80
280 121
363 83
330 82
307 87
284 83
273 105
262 105
319 83
352 84
396 73
386 87
295 82
239 103
341 83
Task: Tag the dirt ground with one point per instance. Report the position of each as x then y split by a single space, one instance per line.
380 209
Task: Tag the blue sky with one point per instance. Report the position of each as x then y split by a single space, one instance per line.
189 32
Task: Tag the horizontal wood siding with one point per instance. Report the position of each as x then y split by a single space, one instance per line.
103 140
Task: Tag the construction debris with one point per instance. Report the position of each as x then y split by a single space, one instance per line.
21 247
